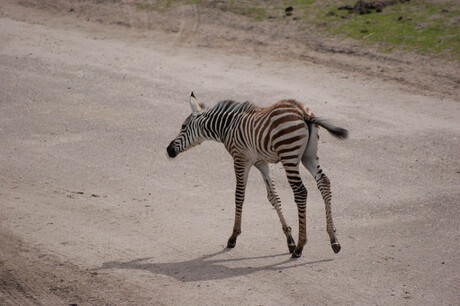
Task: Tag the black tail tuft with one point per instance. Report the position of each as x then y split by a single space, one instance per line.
335 131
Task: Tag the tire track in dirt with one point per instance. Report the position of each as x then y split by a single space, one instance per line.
188 25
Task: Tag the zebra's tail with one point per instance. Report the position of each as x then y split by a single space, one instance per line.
335 131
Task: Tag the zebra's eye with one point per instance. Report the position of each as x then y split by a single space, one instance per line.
183 127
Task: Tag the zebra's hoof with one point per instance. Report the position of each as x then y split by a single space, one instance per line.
231 243
297 253
336 247
291 248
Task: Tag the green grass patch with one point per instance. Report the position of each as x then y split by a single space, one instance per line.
422 26
417 26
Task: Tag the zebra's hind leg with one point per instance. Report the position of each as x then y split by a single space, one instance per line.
276 203
300 197
324 186
241 173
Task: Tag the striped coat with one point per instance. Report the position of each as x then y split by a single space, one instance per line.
285 132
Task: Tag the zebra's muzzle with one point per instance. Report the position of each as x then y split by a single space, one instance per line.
170 149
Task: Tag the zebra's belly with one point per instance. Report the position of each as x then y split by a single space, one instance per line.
270 157
291 152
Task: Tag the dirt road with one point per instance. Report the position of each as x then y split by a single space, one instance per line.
93 212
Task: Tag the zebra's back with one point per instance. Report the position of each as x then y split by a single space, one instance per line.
275 133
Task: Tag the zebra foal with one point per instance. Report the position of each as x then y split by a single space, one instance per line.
285 132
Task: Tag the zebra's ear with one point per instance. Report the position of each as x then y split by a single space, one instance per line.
196 108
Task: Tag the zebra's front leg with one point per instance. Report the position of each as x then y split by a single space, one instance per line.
300 197
241 173
276 203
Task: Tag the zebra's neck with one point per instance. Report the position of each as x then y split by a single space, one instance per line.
218 120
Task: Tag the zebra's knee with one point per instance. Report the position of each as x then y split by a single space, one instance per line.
272 197
300 191
297 185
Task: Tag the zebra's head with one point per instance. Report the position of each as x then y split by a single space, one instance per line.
190 133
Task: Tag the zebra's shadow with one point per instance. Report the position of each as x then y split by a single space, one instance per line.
205 268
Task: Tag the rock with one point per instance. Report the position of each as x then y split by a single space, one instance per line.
345 7
365 7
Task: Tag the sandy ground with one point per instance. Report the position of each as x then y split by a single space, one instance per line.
93 213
